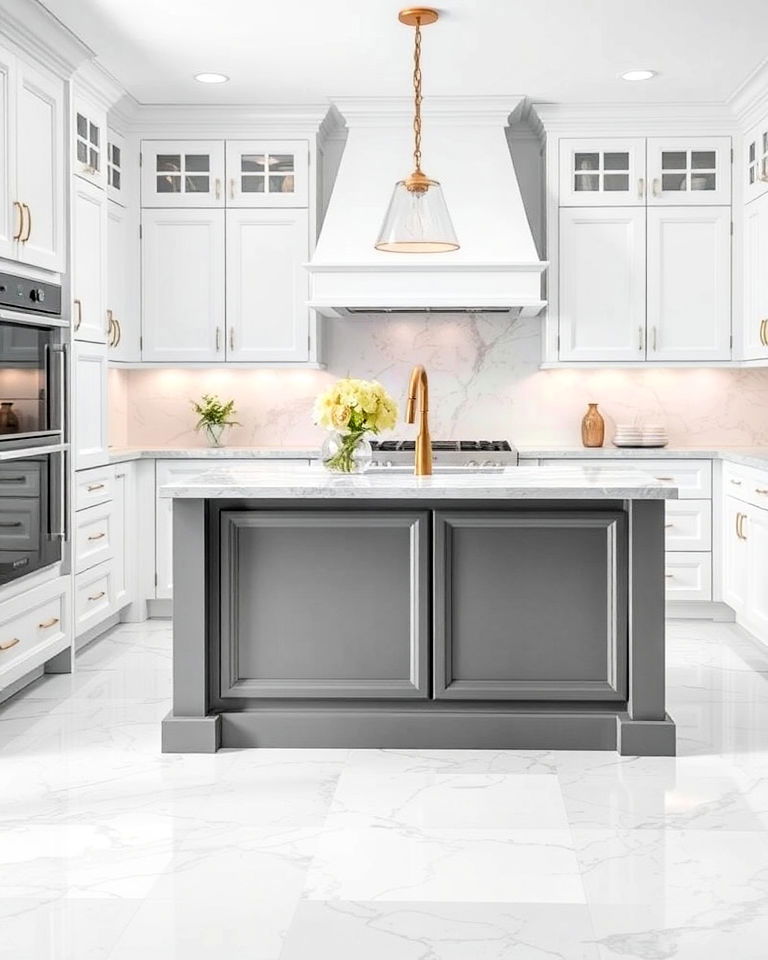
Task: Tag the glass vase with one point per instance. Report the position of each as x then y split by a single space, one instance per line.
346 453
214 433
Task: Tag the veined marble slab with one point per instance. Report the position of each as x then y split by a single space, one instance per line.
514 483
121 454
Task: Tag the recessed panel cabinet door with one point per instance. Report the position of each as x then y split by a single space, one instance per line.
602 283
10 212
755 327
324 604
735 562
689 283
40 166
267 285
89 268
182 173
183 285
755 529
123 283
91 411
530 605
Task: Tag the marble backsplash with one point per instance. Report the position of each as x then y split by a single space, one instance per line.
484 382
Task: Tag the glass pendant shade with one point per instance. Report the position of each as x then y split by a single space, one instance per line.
417 221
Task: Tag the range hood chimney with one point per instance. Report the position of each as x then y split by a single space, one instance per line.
496 269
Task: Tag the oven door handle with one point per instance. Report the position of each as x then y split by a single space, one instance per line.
60 349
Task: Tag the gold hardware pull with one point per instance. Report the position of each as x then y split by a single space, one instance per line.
736 483
217 183
656 187
653 338
670 479
95 486
17 235
641 187
25 236
218 339
110 329
763 336
641 338
740 518
668 525
118 332
98 596
7 644
97 536
669 576
761 490
79 320
231 188
48 623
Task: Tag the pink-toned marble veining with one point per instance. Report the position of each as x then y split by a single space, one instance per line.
484 381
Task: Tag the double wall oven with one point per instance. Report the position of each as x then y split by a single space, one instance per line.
33 447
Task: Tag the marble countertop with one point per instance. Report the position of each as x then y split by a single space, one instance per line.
121 454
515 483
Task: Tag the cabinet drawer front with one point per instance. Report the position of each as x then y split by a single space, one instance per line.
688 525
20 480
93 536
689 576
746 483
93 486
692 477
31 623
94 595
19 524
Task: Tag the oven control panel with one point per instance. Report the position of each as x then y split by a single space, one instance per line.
31 296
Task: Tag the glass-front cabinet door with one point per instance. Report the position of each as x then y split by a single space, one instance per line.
90 142
689 170
756 161
182 173
600 172
267 173
116 167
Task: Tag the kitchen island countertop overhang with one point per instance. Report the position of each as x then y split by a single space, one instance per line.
520 608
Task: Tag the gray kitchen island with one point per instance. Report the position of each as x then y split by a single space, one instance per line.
522 608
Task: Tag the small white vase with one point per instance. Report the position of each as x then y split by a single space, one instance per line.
346 453
214 432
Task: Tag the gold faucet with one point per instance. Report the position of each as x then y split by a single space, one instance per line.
418 388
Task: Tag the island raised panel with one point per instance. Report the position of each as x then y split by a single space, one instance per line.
530 606
324 604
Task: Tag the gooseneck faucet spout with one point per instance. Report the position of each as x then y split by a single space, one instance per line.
418 390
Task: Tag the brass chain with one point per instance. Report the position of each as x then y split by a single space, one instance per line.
417 98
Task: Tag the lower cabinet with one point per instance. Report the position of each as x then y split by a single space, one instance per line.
34 627
94 597
90 406
745 548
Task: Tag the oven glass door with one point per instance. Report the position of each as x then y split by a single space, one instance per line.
31 368
32 511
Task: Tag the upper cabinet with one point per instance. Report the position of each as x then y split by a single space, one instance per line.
115 167
267 173
89 142
182 173
89 262
32 207
755 325
657 171
756 161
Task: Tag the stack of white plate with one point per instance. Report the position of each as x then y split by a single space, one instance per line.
644 435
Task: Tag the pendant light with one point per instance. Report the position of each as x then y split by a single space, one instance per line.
417 219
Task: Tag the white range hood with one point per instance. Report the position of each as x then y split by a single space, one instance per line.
496 269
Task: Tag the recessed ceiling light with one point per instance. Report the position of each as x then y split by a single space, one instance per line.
638 75
211 78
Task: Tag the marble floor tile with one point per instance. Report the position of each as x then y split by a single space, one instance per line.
62 929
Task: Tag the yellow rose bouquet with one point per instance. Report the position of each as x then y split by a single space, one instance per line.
352 408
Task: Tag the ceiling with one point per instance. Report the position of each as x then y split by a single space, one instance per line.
309 50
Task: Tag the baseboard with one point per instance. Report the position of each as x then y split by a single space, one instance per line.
13 688
160 609
95 632
700 610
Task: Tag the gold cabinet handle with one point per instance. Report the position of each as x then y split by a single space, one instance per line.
763 334
217 183
668 525
97 536
98 596
762 490
670 479
231 188
641 187
25 236
669 576
79 319
7 644
17 205
110 329
95 486
48 623
119 332
736 483
740 518
656 187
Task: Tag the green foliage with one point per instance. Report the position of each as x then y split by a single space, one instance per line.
212 410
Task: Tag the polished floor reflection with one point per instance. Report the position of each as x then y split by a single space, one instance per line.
110 850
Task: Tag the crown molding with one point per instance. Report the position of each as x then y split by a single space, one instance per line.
395 111
635 118
196 121
37 32
749 102
98 85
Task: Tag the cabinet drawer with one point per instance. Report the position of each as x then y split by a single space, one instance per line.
94 596
692 477
93 486
746 483
688 525
689 576
33 627
19 524
93 536
20 479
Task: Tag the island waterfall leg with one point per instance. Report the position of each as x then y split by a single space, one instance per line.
189 728
646 729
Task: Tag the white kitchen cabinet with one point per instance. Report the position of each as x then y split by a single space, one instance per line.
735 558
123 284
34 626
602 283
755 529
689 171
689 283
182 173
89 369
10 208
267 285
124 532
89 261
267 173
115 167
688 576
40 166
94 596
183 316
94 536
756 161
602 172
89 142
755 324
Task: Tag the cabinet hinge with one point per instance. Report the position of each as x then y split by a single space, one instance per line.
155 579
141 343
